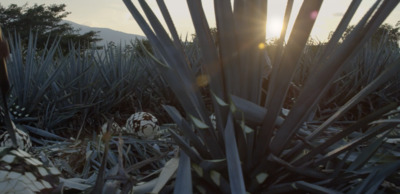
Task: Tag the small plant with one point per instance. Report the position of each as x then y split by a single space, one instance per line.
250 150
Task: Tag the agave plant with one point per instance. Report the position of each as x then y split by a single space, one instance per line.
38 96
96 82
50 88
372 60
251 148
362 70
32 73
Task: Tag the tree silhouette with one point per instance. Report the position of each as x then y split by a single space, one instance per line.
46 22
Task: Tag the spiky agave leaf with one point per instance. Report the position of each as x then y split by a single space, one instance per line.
180 78
5 88
33 68
233 68
184 176
317 82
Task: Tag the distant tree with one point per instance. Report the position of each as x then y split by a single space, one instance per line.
44 20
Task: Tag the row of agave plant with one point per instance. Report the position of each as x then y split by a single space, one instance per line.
66 93
252 148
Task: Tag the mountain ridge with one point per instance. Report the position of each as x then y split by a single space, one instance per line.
106 34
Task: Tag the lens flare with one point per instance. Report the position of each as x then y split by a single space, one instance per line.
261 46
313 15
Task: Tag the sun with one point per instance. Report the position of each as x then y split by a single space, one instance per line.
274 27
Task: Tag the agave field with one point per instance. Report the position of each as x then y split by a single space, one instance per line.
236 114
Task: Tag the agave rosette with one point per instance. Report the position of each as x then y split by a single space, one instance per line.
252 148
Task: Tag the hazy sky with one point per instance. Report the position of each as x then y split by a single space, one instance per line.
114 14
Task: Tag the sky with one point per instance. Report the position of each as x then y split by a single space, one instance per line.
114 14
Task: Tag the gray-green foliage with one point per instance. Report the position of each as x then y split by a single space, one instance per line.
52 87
249 150
370 62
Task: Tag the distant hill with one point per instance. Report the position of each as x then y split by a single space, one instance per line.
107 34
